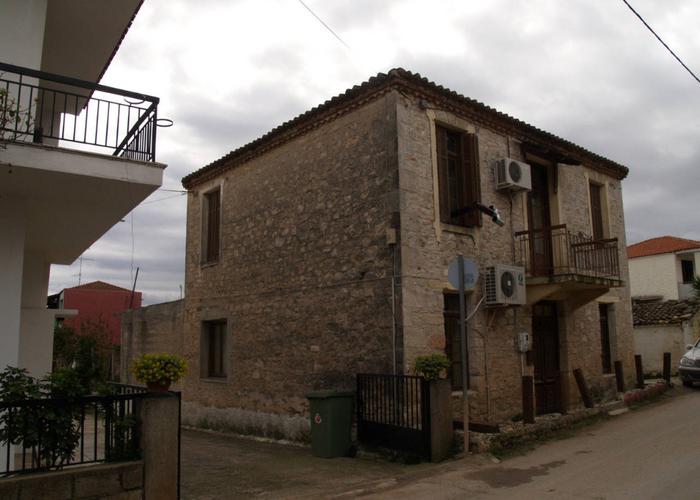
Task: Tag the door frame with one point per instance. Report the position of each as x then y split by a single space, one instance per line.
558 379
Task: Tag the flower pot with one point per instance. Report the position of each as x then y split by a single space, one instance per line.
158 387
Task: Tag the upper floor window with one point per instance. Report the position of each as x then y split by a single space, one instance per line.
597 211
458 176
687 270
211 223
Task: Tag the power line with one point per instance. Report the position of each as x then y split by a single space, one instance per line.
163 198
323 23
660 40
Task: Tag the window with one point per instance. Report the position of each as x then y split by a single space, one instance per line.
604 311
688 270
213 350
597 211
452 341
458 176
211 227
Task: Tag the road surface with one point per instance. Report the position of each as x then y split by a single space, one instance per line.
650 453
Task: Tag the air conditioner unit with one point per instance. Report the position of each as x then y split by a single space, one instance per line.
513 174
504 285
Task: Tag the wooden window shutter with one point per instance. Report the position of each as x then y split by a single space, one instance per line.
213 222
441 138
471 177
596 211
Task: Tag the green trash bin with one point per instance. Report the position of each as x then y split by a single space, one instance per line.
331 422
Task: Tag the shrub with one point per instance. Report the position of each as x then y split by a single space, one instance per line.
159 368
432 366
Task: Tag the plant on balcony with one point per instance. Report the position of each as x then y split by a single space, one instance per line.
432 366
158 371
13 117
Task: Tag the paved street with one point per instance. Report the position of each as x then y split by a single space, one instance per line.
650 453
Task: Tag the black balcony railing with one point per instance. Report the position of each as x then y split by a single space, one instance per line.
48 434
46 108
556 251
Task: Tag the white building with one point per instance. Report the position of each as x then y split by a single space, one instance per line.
663 267
79 159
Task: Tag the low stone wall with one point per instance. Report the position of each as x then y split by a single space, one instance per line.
122 481
239 421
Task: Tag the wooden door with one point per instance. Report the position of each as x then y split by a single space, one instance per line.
545 348
540 222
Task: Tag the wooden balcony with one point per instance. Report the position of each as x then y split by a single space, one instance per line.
556 255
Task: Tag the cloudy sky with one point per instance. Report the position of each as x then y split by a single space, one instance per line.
227 71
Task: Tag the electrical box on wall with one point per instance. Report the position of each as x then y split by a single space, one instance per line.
523 341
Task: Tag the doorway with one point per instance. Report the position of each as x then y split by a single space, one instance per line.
545 349
539 222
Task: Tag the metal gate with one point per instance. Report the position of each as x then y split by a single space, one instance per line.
393 411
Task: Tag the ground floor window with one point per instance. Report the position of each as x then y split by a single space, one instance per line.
604 310
453 346
213 349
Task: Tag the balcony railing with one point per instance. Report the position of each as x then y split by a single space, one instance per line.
41 107
556 251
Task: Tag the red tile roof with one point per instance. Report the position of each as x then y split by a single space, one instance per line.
662 244
99 285
662 313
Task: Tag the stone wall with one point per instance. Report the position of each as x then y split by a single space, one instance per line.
427 247
151 329
122 481
304 276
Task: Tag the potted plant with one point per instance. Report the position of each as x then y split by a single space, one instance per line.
158 371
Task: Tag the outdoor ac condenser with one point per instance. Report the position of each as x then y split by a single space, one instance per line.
504 285
513 175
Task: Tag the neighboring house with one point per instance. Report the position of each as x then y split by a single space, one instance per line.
80 158
320 251
664 267
667 326
97 303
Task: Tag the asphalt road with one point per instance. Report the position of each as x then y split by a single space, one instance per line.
650 453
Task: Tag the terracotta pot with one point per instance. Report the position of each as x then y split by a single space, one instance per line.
158 387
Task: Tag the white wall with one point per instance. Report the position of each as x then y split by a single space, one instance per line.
654 275
22 32
652 341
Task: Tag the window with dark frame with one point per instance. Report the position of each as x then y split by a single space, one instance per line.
605 355
212 223
458 176
452 341
214 349
688 271
597 210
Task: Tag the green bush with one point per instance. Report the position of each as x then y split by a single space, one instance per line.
432 366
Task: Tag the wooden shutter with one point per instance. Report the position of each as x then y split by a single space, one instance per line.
596 211
471 178
213 223
443 186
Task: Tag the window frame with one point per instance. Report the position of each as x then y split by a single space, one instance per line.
684 274
467 175
211 231
216 327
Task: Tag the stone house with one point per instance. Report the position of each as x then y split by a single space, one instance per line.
320 250
663 267
664 326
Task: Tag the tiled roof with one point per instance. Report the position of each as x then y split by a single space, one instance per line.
99 285
662 244
407 83
662 313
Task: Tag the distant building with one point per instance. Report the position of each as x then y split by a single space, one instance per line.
96 301
663 268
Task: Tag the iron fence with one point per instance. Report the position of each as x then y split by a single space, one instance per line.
48 434
46 108
393 411
554 251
